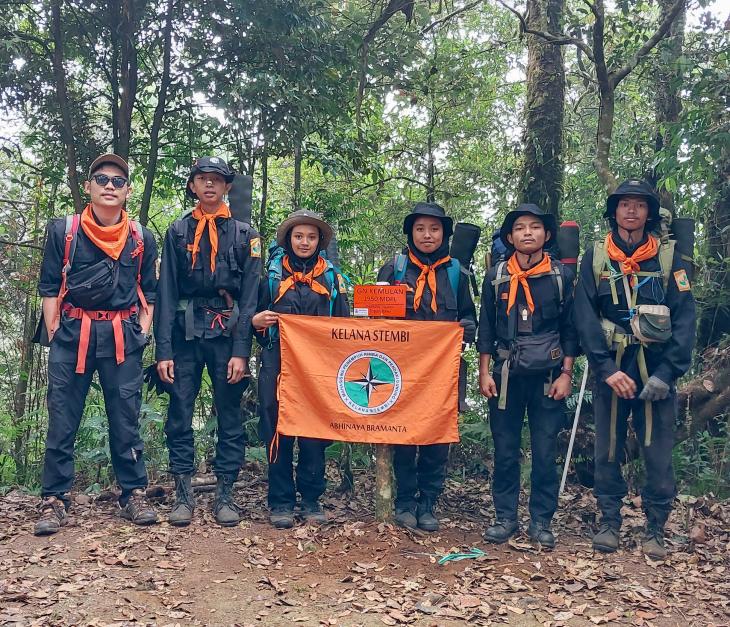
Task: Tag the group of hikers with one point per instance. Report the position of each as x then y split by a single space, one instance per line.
630 310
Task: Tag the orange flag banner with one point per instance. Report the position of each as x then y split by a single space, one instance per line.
378 381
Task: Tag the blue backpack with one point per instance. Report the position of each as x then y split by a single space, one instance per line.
400 263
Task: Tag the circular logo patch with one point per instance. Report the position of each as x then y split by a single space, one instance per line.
369 382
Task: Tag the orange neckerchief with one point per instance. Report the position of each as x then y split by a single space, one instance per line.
630 265
110 239
519 276
207 219
428 273
299 277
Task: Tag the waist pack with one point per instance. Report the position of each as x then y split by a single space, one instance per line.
651 323
93 286
535 354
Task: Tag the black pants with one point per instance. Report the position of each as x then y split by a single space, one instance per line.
190 357
546 418
658 494
425 475
310 479
122 388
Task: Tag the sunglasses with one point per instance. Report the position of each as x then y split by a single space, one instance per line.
103 179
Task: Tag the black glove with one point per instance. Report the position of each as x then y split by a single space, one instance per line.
654 390
470 330
153 381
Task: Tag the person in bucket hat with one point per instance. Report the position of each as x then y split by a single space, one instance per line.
299 280
437 290
525 323
630 277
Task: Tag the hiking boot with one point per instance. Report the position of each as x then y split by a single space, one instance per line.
227 513
182 510
653 544
501 531
137 509
406 517
282 516
53 516
607 539
539 531
426 520
312 513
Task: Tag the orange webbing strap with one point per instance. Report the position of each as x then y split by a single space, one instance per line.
138 252
86 316
274 446
72 227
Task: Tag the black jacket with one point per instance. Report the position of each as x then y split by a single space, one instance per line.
549 316
101 340
667 361
238 269
450 307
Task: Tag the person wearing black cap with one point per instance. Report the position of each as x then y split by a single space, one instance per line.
437 290
206 297
299 281
525 322
636 317
97 284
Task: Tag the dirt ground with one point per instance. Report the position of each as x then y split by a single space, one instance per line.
100 570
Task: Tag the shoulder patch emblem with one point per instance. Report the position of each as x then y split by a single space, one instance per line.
682 281
342 286
255 246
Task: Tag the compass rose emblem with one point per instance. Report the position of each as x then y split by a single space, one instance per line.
369 382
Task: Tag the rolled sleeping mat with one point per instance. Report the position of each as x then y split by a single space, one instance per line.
683 231
240 197
463 246
569 244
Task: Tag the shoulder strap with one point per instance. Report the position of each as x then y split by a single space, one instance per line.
135 229
558 280
666 258
502 276
600 259
454 270
69 250
400 263
274 270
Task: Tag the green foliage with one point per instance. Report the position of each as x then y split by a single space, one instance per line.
276 82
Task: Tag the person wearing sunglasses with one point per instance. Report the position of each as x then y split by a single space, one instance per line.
97 284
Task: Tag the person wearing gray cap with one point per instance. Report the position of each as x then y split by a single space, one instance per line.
98 287
209 277
300 280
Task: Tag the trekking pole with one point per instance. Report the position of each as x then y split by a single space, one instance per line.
575 428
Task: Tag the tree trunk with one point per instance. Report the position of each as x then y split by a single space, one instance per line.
430 164
128 71
159 115
543 138
667 103
20 393
67 131
297 173
264 190
715 317
383 482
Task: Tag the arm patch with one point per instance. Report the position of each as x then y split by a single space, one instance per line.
255 246
682 281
